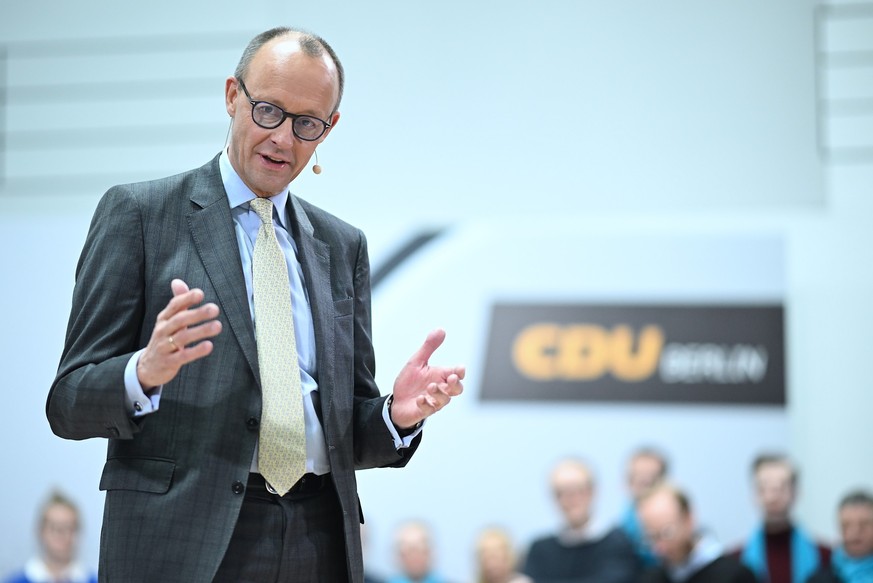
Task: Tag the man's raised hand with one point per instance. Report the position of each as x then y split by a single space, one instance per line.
181 335
420 389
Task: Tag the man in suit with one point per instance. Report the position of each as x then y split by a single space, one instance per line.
161 354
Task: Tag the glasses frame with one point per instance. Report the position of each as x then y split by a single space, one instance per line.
285 115
667 533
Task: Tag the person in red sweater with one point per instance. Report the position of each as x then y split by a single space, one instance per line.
779 551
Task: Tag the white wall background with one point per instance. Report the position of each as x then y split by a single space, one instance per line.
522 127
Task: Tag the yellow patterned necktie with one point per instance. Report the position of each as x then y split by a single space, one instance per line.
282 441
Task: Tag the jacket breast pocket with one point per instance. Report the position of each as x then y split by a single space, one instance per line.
152 475
344 307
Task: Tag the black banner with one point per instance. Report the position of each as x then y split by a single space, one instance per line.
644 353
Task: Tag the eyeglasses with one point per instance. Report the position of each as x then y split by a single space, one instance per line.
270 116
63 528
564 491
667 533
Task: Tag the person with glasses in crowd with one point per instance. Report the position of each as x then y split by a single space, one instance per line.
686 554
220 338
584 550
58 532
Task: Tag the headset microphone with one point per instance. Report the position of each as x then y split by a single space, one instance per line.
316 167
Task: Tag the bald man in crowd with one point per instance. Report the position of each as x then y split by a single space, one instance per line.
686 554
496 560
414 549
582 551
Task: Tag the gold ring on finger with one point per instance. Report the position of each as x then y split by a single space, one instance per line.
173 344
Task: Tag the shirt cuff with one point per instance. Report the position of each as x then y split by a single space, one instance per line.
399 442
138 402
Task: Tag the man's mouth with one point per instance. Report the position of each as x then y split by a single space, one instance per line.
273 161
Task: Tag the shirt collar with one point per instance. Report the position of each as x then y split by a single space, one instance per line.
591 531
238 194
706 550
37 571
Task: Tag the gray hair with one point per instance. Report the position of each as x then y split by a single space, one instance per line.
311 44
857 498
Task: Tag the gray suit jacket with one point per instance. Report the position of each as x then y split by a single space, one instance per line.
173 478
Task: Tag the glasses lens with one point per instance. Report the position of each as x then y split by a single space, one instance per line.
267 115
308 128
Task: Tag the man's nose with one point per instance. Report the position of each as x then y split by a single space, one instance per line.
851 532
284 134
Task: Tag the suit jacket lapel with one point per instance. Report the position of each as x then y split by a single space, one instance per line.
212 229
315 261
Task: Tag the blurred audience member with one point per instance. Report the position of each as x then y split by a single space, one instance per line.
496 558
414 555
686 555
646 468
853 561
580 552
779 551
58 532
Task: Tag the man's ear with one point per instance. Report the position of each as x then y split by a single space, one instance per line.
333 121
231 90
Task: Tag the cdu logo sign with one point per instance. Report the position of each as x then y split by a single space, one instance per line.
687 354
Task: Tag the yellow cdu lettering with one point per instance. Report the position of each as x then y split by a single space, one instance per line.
583 353
629 365
535 350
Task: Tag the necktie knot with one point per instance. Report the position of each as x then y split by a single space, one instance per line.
264 208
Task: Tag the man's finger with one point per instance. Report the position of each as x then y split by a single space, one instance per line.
192 317
193 334
433 341
424 406
197 351
181 302
178 286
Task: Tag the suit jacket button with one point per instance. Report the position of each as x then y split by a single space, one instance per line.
252 422
238 487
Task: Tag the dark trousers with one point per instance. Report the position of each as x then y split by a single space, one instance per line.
296 538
